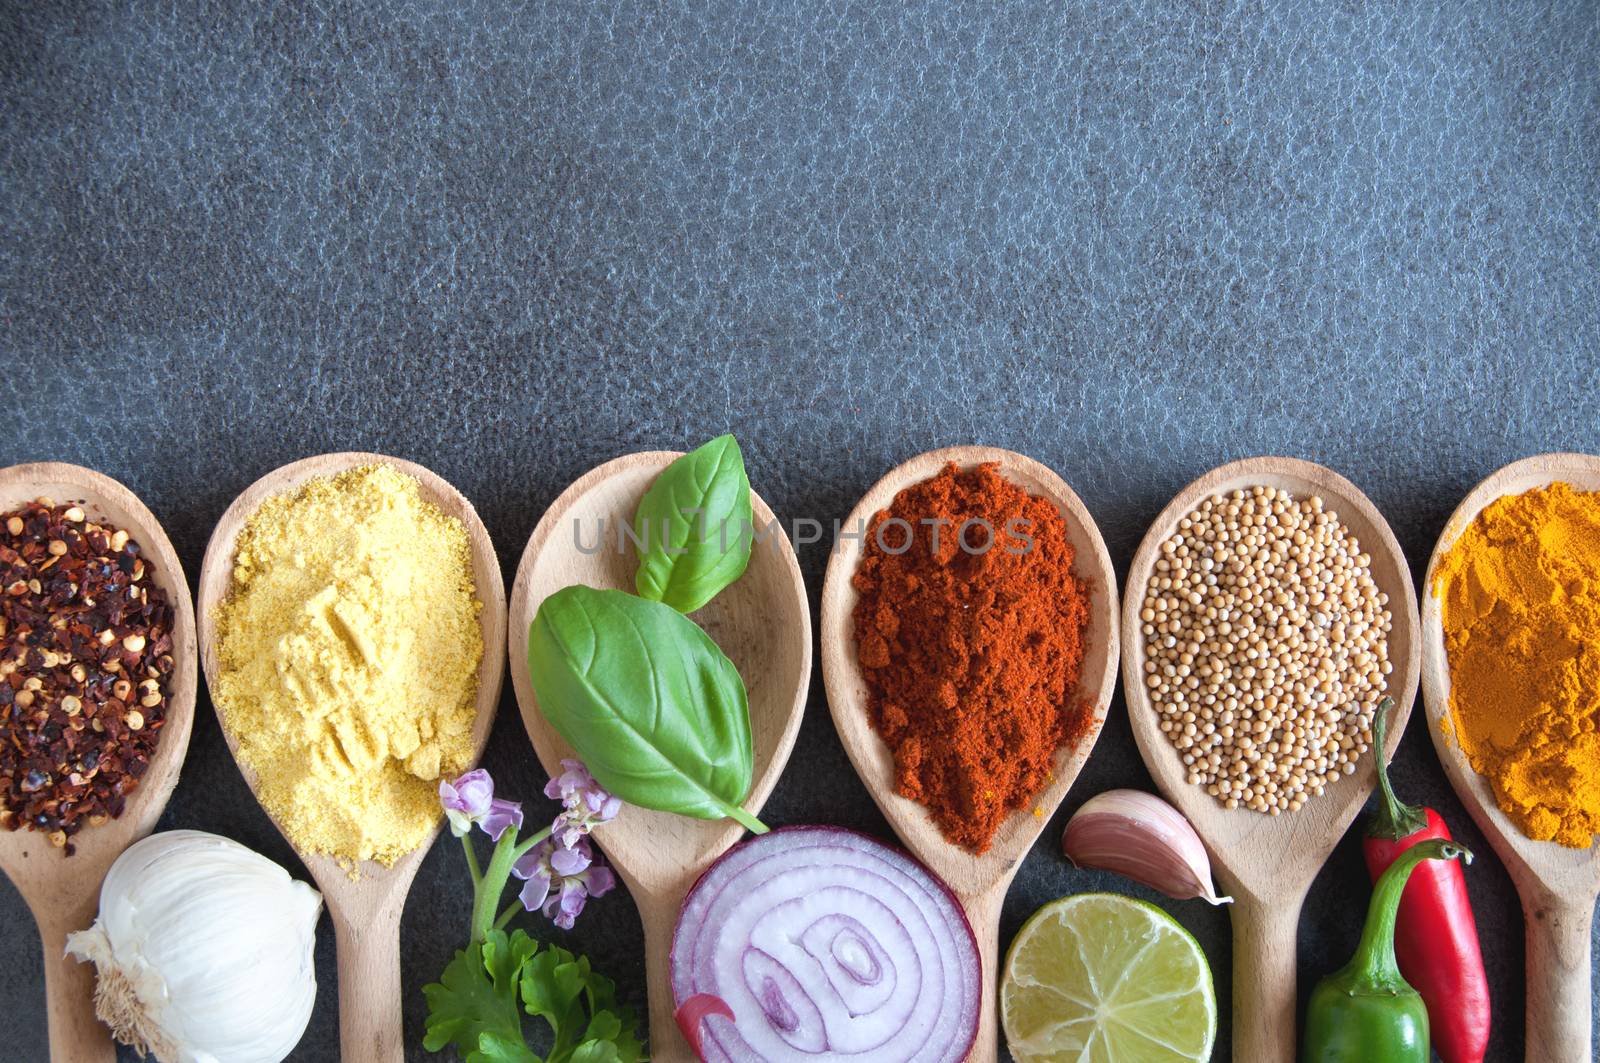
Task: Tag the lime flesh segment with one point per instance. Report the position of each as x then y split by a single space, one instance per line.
1098 978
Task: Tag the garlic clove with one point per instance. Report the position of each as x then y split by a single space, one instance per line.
1141 836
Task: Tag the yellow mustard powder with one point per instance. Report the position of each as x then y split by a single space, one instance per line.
349 649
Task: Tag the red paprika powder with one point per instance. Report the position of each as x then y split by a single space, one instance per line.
970 628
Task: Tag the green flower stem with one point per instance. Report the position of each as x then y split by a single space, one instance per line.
472 861
491 885
522 850
505 917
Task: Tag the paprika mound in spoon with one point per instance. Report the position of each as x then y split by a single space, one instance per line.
979 881
970 630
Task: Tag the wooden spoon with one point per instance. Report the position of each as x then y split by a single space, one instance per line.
979 882
1268 862
64 891
762 622
365 911
1558 885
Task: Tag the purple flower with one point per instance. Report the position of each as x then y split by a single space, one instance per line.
587 804
470 800
501 814
560 878
467 800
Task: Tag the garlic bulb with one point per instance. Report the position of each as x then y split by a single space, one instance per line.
1141 836
203 951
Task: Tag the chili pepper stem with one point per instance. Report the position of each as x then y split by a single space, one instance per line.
1374 965
1393 820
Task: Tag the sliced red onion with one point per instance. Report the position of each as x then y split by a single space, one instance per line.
694 1012
827 944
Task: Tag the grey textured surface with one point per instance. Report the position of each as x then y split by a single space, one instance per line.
510 241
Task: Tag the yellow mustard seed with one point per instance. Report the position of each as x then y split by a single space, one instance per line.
349 649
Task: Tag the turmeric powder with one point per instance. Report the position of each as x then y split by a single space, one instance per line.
1519 594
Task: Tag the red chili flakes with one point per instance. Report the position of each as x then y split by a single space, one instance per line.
85 661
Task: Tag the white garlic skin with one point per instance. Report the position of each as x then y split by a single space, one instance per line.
1141 836
203 951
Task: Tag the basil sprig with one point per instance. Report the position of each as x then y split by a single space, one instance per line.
652 705
694 525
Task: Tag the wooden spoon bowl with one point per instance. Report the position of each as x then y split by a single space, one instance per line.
1557 885
1268 862
365 910
979 882
63 891
762 622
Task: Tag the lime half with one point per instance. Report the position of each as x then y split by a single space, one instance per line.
1098 978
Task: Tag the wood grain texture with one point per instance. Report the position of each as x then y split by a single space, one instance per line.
1558 885
63 892
1264 962
365 911
1268 862
979 882
762 622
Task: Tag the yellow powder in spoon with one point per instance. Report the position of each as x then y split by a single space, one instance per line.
1519 594
348 654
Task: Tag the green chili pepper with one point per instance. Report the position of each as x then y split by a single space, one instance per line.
1365 1012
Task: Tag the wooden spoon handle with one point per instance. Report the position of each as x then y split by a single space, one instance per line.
1558 1014
983 912
1264 978
76 1035
371 1026
659 914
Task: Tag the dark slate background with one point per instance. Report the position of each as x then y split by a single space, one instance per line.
511 241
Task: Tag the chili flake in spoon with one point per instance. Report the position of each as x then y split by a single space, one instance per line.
85 660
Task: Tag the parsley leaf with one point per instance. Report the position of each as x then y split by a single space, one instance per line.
611 1020
477 1004
473 1006
494 1048
595 1052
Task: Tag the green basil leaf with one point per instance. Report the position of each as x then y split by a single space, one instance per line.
694 525
648 701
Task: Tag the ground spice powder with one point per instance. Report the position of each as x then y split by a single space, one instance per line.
349 650
1520 601
971 655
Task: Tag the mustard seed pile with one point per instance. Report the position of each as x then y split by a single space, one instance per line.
1266 647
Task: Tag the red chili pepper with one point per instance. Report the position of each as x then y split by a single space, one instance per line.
1436 936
